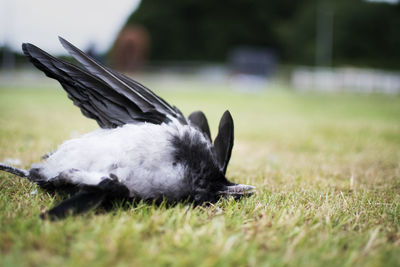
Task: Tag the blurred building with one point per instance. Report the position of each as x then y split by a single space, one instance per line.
346 80
251 60
130 50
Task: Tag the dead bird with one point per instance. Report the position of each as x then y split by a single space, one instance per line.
146 149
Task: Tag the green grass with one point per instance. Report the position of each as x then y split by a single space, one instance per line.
327 169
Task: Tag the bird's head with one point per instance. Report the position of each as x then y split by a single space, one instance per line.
212 185
209 181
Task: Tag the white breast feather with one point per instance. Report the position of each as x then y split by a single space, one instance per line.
141 156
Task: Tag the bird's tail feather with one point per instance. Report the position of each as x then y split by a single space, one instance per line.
16 171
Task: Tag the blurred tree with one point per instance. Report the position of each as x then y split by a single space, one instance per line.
364 33
367 34
206 30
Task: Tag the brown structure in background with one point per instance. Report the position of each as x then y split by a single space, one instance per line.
130 50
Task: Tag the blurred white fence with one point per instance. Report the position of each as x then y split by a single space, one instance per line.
345 79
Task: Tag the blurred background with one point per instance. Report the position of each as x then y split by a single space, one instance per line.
314 90
321 45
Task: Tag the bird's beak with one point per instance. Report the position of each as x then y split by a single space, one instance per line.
238 190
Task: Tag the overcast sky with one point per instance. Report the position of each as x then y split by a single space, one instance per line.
82 22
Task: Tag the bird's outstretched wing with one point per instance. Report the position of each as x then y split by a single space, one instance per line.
109 97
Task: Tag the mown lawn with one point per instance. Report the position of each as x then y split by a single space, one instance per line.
327 169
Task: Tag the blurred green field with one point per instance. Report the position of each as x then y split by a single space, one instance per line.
327 169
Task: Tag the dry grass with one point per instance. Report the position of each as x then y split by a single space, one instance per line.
327 168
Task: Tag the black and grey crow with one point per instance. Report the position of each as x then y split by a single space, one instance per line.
145 149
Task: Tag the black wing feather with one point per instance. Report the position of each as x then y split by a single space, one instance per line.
136 92
79 203
100 98
223 143
200 121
